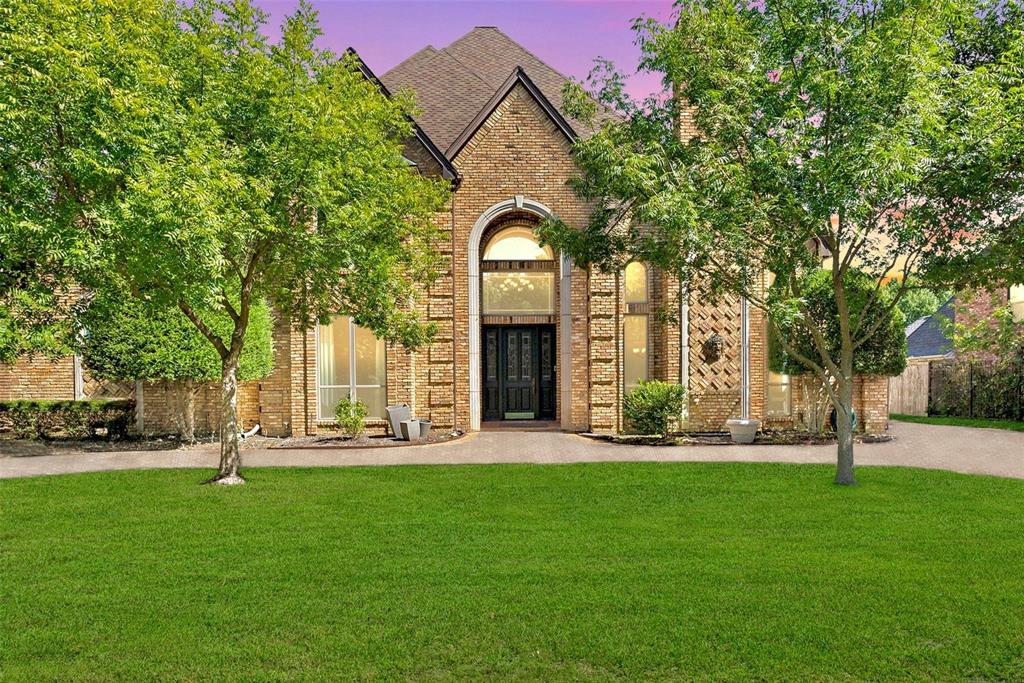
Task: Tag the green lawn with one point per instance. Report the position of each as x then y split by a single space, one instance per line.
1012 425
685 571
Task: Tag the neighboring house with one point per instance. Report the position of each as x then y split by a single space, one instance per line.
523 333
928 338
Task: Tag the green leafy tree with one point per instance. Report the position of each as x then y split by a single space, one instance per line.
121 338
884 353
173 149
919 300
998 335
852 135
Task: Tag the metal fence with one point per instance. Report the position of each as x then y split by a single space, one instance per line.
983 389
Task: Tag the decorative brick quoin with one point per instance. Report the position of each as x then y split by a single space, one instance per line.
523 333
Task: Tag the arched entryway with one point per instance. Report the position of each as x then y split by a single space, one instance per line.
513 282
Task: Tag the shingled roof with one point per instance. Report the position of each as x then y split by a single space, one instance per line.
454 84
928 337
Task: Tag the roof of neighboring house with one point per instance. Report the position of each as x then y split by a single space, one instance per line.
928 337
454 85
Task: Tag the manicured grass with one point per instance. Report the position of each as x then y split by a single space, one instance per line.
960 421
664 571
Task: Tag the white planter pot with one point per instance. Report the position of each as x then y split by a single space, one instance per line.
743 431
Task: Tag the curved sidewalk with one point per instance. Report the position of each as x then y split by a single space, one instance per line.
958 449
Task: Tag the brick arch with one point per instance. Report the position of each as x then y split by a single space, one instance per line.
516 206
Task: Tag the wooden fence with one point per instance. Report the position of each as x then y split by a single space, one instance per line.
908 393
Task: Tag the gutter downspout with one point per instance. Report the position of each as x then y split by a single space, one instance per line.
745 359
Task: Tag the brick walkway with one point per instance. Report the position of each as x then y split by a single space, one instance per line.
959 449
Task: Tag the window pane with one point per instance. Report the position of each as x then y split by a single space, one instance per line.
374 398
370 372
516 244
635 343
329 397
332 353
636 283
515 293
369 358
779 399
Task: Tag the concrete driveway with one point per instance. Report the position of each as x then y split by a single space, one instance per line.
959 449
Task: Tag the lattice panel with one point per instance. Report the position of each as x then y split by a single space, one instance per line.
707 319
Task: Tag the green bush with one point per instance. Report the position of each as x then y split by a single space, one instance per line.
651 406
350 415
65 419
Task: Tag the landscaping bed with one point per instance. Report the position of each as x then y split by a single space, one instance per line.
764 438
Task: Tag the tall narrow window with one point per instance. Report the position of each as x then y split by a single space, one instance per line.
350 362
635 327
780 395
1017 302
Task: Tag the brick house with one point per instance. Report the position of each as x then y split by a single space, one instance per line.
523 333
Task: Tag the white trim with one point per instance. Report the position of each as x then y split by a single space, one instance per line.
684 348
523 203
744 359
565 332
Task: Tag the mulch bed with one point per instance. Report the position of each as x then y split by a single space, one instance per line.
341 441
765 438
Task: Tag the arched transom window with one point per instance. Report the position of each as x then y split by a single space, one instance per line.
518 273
516 243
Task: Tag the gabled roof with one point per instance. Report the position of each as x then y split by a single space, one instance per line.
518 77
454 84
927 337
447 169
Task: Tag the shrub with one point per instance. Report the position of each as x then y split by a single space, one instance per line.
651 406
350 415
66 419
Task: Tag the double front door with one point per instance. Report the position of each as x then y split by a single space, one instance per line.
519 372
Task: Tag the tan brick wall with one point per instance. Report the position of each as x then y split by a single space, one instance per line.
38 377
517 151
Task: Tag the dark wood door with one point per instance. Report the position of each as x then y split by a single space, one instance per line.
518 373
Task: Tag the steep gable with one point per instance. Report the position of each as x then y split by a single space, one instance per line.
455 83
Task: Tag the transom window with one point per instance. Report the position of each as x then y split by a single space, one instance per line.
516 243
518 275
350 363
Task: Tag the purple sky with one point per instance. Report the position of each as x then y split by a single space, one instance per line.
567 34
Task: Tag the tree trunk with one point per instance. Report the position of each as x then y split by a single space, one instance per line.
844 433
188 409
230 460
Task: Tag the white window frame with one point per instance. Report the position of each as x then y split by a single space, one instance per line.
352 386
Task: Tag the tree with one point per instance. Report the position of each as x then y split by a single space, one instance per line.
123 339
998 335
919 301
849 135
174 152
884 353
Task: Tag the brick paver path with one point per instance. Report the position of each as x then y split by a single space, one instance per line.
960 449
